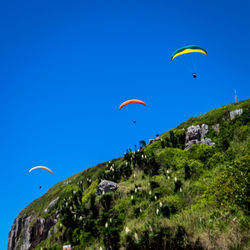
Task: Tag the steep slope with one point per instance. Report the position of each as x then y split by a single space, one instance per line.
188 189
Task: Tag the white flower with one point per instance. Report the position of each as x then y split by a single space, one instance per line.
145 156
110 220
150 192
135 190
126 163
132 197
127 230
134 175
74 192
180 189
160 204
167 171
168 177
100 248
148 184
106 224
80 218
140 210
175 179
157 211
155 197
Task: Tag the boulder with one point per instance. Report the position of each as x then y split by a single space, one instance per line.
204 130
155 139
192 142
196 135
216 127
106 186
193 132
235 113
207 141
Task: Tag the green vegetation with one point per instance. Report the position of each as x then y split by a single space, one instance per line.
168 197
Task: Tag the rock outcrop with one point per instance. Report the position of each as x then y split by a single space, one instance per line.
216 127
52 203
25 235
155 139
106 186
20 230
196 135
235 113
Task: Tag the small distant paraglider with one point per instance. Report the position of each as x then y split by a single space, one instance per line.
41 167
131 101
186 50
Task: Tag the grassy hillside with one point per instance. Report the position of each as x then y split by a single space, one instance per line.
168 197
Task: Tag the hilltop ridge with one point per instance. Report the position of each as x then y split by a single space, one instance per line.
189 189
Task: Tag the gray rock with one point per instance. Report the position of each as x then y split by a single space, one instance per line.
207 141
196 135
216 127
52 203
235 113
51 231
20 228
193 132
31 235
155 139
192 142
106 186
204 130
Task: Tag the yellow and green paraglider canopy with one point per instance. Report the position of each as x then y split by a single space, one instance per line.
188 49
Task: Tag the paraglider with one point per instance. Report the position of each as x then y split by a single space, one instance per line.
189 49
132 101
41 167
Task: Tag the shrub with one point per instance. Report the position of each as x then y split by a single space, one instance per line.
177 185
154 184
106 201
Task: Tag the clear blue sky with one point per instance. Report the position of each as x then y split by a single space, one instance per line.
65 67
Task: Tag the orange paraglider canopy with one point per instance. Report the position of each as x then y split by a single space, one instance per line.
42 167
131 101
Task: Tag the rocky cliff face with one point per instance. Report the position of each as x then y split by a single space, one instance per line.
25 236
28 231
19 234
